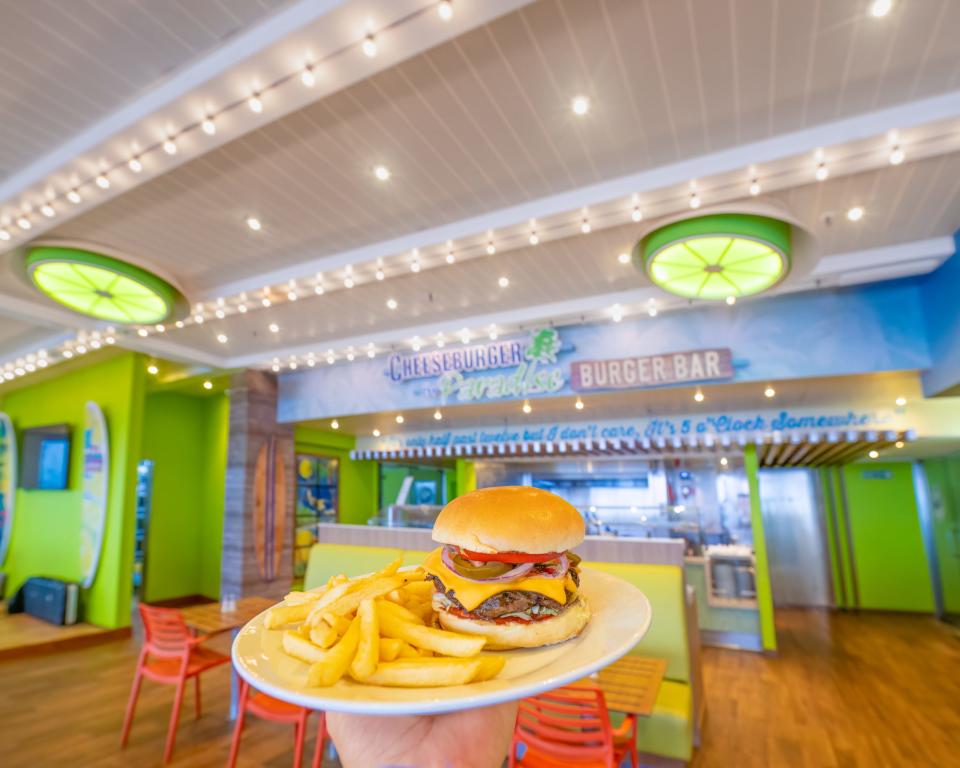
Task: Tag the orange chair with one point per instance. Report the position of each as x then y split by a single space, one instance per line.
170 655
571 727
269 708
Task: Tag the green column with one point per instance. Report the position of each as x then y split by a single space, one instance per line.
466 476
768 632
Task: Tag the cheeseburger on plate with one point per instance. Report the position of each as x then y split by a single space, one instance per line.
504 569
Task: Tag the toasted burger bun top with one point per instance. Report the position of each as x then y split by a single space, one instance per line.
510 519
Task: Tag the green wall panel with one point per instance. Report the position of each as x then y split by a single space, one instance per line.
46 530
185 437
889 560
943 482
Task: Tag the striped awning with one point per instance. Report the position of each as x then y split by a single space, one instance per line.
777 449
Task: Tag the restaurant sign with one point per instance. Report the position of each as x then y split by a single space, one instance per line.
652 370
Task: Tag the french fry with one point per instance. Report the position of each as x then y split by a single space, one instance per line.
402 613
390 569
317 608
281 615
419 589
390 648
423 610
425 673
407 651
349 602
490 667
335 661
340 623
439 640
395 597
367 657
323 635
299 647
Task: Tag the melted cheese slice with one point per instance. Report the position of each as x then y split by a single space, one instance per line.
471 594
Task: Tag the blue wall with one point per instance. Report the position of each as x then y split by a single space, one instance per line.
941 306
879 327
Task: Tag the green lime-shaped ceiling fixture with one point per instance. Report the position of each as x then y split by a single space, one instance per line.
717 256
101 286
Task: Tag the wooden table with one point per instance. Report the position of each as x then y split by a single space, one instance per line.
631 684
210 619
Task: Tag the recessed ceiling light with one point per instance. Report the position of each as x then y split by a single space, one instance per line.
381 172
391 303
152 370
208 384
376 433
220 314
208 126
307 77
445 10
255 104
103 182
526 407
293 365
254 223
901 401
503 281
624 258
898 444
450 257
896 155
274 328
880 8
292 295
74 197
380 275
350 355
198 319
369 47
769 392
170 147
874 454
440 342
134 164
493 333
371 353
580 105
491 249
222 338
334 424
855 213
694 200
415 266
652 311
399 418
242 309
723 461
731 300
754 187
415 344
698 396
822 172
265 301
637 214
578 404
534 239
331 359
179 323
437 415
142 333
47 210
616 313
585 227
348 282
160 327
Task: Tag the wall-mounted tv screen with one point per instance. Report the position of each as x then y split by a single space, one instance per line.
45 463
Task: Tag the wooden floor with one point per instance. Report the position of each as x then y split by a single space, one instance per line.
21 634
846 690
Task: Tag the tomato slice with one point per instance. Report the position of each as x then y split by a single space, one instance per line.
512 557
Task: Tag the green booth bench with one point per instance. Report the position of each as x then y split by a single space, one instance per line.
668 735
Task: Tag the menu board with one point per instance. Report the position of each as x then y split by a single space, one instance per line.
8 482
96 475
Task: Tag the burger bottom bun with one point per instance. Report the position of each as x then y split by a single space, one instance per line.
515 634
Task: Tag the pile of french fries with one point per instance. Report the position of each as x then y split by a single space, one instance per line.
378 630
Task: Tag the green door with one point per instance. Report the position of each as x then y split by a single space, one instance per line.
943 481
889 561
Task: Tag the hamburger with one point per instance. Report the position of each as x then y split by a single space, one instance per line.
504 569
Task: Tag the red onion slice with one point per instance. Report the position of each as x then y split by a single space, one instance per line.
558 571
447 553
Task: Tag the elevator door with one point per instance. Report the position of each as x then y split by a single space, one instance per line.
796 545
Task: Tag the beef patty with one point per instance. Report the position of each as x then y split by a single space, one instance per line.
509 601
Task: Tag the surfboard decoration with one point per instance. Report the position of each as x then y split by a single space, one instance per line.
8 482
96 476
269 509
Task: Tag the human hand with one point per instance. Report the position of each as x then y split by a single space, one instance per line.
471 738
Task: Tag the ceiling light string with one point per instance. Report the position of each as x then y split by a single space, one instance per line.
254 101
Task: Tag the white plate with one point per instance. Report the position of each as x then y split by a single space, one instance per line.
621 617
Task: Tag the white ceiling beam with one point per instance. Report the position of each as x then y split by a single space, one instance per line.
808 140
